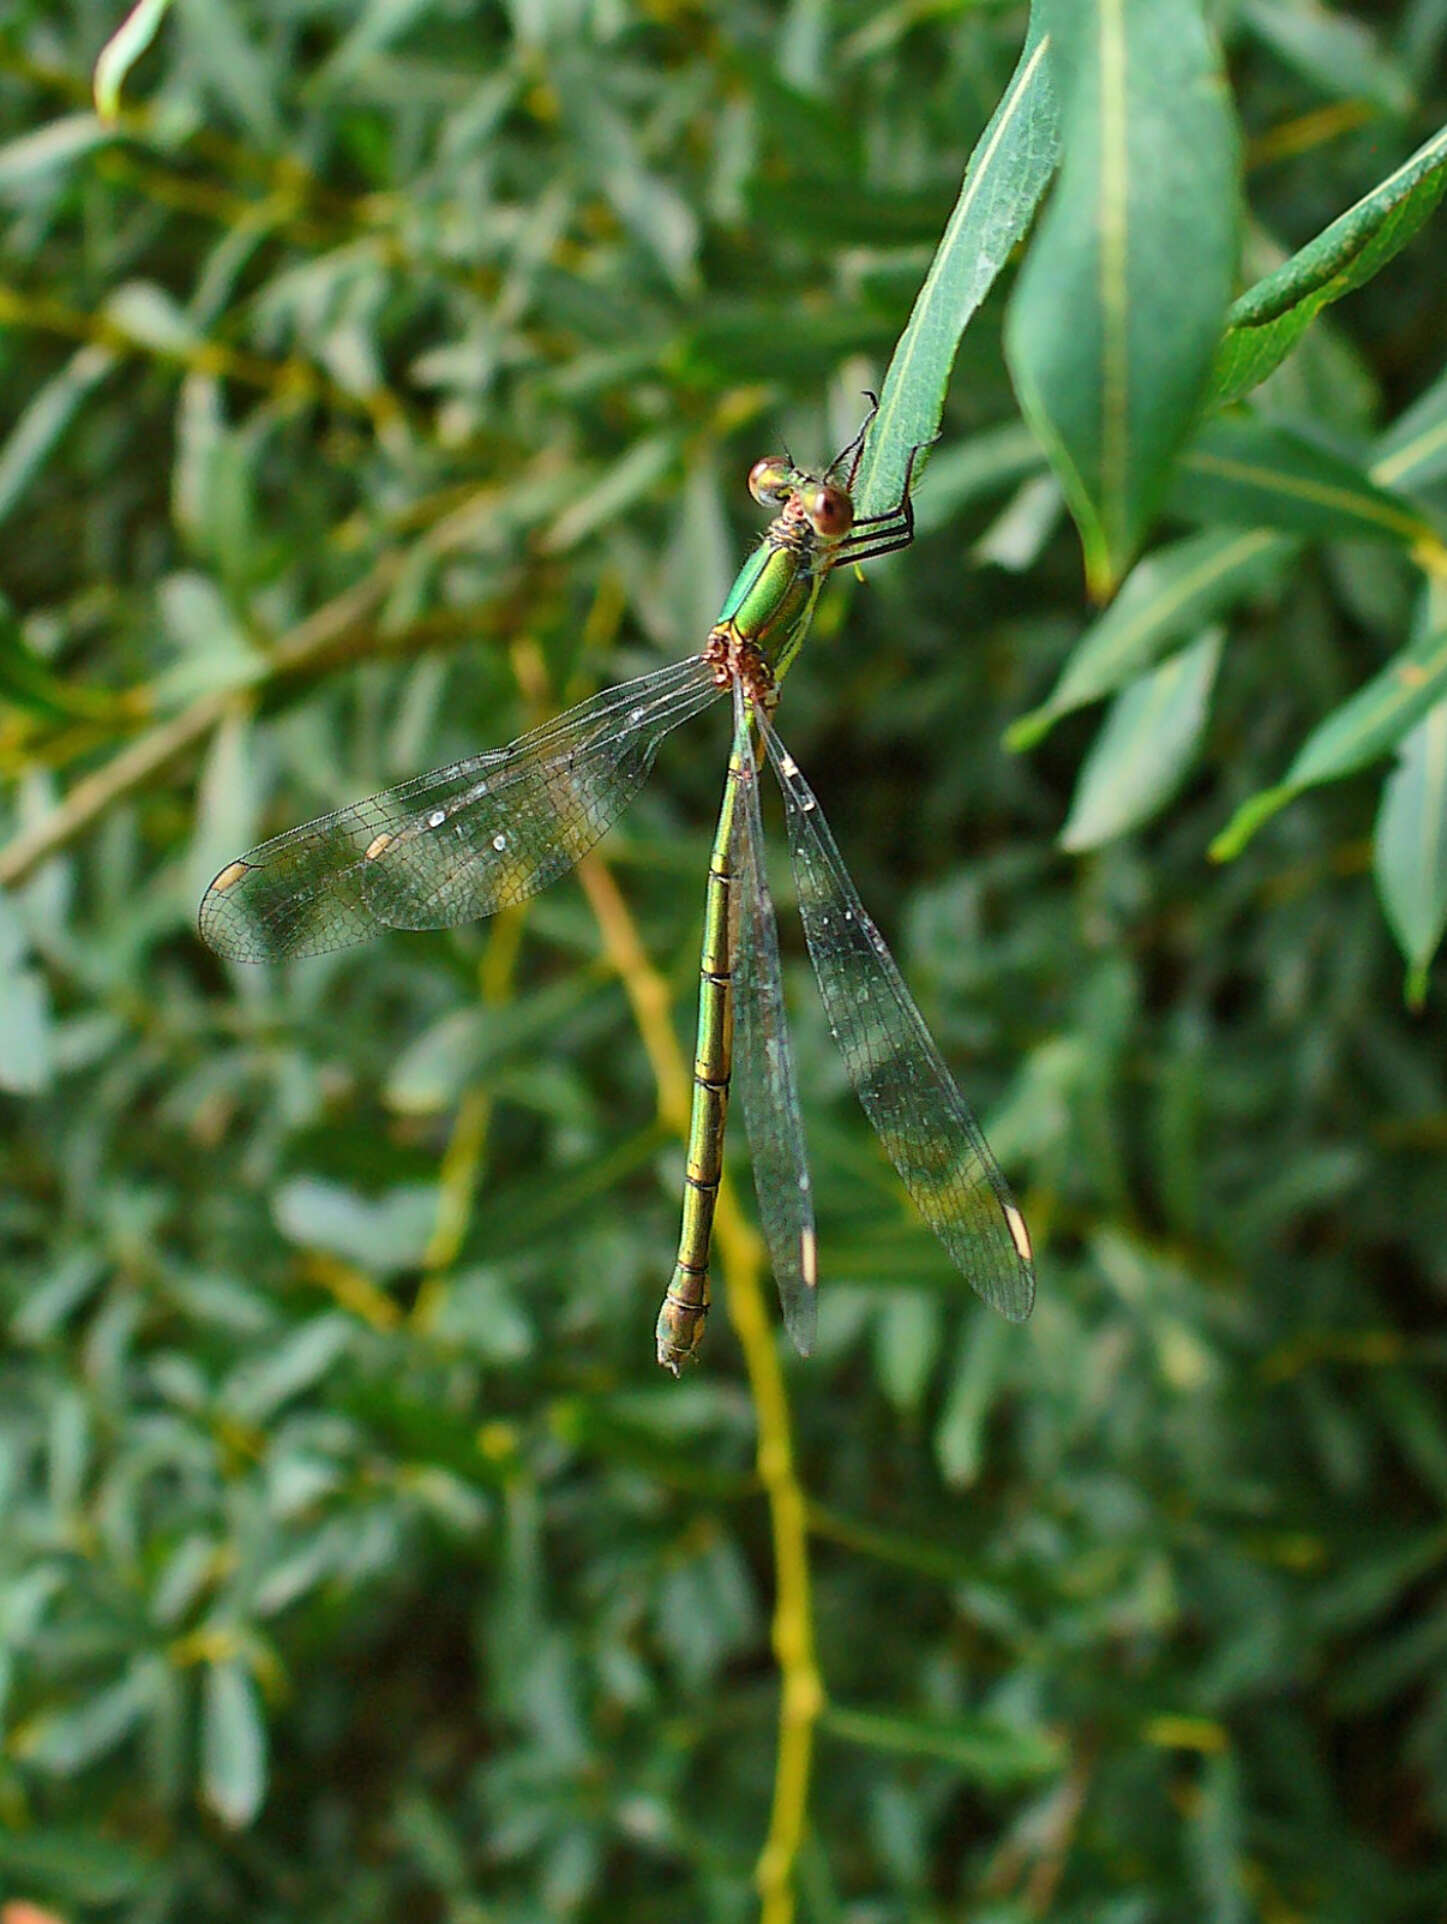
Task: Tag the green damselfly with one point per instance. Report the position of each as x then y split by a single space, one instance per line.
472 837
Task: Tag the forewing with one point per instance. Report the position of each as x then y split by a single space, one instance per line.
910 1097
764 1058
458 843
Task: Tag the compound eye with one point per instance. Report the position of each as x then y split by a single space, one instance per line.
771 481
830 511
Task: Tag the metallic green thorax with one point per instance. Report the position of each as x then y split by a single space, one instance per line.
772 600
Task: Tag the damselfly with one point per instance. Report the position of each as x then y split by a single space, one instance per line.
468 839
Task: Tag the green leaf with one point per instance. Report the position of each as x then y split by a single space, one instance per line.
1380 1578
121 52
1413 451
986 1345
981 465
1356 733
233 1744
468 1045
1166 596
238 71
606 497
1337 53
984 1750
1266 321
44 420
267 1379
381 1236
67 1741
1007 174
74 1866
1216 1840
56 144
227 802
376 25
1145 747
907 1345
1255 472
212 483
1016 538
26 1048
1409 853
1120 302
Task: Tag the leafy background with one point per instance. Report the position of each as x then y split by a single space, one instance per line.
381 376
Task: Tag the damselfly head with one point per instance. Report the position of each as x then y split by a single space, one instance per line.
775 482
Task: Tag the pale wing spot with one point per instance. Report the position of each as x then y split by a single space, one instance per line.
809 1258
1018 1230
437 818
499 842
788 764
230 876
379 842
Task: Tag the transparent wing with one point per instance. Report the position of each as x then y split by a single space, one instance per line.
458 843
763 1058
898 1073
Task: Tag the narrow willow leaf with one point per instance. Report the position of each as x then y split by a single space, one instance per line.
233 1744
266 1379
67 1741
1265 322
1120 303
628 480
960 1439
228 801
378 24
1254 473
1374 720
612 150
27 1051
56 144
218 39
121 52
981 465
1007 174
1409 853
984 1750
1017 535
1336 53
1216 1841
45 418
433 1071
1145 746
152 317
1413 451
76 1867
382 1234
1166 596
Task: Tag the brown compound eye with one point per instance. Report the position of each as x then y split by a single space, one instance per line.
771 481
830 511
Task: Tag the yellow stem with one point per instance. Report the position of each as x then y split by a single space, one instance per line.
467 1145
741 1263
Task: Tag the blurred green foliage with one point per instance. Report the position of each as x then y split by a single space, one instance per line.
383 374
